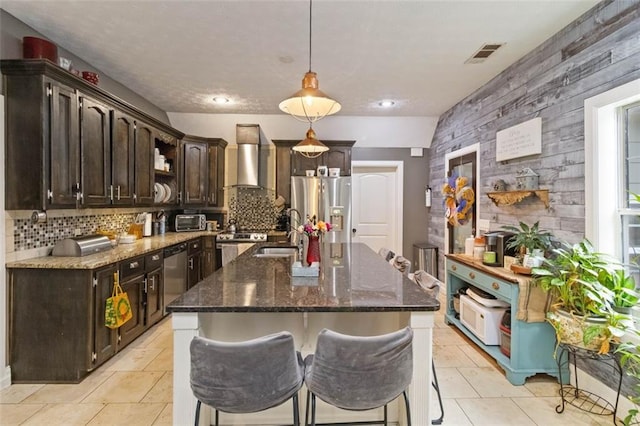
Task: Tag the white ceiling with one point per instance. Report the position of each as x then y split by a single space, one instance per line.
178 54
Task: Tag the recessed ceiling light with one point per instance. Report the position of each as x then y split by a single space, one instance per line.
386 104
221 100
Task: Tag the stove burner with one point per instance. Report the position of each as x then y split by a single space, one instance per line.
242 236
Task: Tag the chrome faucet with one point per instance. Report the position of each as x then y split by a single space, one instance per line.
293 236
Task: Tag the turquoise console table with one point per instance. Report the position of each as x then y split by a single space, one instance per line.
532 343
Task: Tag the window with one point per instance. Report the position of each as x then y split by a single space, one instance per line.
629 208
612 172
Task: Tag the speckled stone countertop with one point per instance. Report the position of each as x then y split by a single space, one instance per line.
352 278
107 257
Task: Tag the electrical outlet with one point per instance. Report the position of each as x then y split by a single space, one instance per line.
484 224
77 232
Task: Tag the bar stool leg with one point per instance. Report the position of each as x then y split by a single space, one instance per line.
436 386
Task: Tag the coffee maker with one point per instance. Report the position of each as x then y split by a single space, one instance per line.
496 242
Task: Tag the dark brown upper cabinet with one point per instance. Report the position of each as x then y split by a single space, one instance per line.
195 156
71 144
290 163
122 158
203 168
144 163
95 149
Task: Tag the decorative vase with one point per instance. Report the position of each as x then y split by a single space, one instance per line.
313 253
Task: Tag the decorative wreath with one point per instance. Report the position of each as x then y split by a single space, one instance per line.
458 200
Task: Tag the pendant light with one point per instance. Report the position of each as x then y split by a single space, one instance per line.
310 103
311 147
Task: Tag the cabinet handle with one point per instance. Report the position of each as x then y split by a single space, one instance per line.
155 257
118 193
472 275
146 290
153 283
454 268
191 263
133 265
495 286
111 192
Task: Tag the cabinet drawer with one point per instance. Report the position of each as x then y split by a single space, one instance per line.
194 246
489 283
153 261
131 267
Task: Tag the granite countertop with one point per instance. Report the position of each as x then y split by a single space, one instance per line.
107 257
352 278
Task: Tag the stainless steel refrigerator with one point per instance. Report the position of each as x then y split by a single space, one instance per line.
326 198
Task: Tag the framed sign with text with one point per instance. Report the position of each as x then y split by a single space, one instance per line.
519 141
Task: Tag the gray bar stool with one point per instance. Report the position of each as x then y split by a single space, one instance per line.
246 377
359 373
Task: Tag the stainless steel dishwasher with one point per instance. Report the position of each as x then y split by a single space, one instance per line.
175 272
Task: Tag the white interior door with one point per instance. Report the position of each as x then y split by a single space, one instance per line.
377 204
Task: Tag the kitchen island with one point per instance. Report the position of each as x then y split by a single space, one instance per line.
357 292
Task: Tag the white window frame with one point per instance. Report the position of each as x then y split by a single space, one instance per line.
602 156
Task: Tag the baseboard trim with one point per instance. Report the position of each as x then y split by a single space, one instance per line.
5 379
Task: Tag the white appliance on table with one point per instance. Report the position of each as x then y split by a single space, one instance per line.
326 198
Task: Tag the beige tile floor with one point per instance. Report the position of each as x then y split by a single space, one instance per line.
134 388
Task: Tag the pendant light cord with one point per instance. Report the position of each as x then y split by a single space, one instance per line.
310 4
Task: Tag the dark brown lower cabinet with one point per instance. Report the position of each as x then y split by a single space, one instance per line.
154 305
194 262
105 339
57 331
209 256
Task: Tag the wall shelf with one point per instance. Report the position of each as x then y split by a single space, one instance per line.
507 198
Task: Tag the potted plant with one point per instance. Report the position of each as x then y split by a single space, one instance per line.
527 240
582 310
630 360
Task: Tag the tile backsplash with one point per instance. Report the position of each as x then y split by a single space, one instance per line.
253 208
27 235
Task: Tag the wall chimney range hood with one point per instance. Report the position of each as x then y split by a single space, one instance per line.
248 141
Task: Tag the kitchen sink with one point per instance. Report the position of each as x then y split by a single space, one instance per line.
281 251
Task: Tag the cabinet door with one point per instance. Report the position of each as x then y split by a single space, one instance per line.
153 297
338 157
215 187
300 163
195 157
104 338
208 263
64 148
194 269
95 146
283 171
134 287
144 163
122 158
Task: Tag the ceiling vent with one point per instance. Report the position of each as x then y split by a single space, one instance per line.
483 53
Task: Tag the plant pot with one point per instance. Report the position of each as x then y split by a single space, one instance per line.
571 329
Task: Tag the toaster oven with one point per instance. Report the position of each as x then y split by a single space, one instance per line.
190 222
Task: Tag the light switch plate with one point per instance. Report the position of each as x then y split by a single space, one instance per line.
484 224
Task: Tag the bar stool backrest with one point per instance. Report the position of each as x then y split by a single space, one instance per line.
360 373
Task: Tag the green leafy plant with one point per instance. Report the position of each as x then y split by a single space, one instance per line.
527 239
630 360
574 277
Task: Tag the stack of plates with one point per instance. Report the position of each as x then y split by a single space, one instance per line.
162 193
167 193
159 193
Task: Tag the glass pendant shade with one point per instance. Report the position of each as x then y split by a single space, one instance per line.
311 147
309 103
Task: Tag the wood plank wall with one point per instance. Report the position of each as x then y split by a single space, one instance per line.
595 53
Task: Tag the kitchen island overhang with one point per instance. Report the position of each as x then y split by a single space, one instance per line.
357 292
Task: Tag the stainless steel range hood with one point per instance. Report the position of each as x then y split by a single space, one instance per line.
248 141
